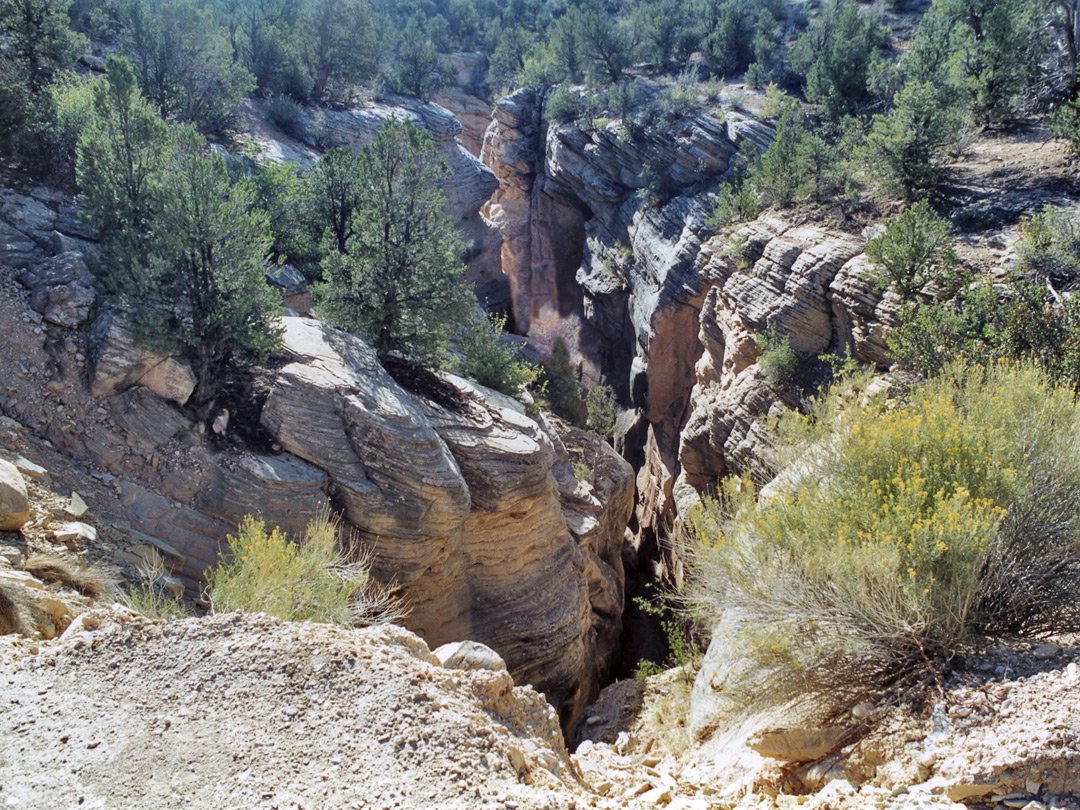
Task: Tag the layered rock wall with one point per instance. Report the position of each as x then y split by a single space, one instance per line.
669 311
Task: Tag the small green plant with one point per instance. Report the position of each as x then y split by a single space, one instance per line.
915 250
582 472
601 412
306 581
778 361
562 389
842 366
149 596
646 669
683 649
491 360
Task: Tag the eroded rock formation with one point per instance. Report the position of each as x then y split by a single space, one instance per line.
608 227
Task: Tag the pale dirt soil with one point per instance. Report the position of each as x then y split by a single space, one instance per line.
246 711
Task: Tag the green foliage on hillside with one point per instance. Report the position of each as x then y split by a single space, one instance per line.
488 357
186 247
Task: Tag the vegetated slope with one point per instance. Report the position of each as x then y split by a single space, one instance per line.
247 711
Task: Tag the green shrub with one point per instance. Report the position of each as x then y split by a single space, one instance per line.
778 361
305 581
492 361
286 115
1020 320
915 250
1049 245
900 534
735 203
601 412
1065 123
563 105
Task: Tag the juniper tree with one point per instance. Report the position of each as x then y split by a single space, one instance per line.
200 287
399 282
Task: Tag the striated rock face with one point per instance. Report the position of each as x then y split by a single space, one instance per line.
608 230
467 504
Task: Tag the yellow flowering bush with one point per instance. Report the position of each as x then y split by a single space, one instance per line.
307 581
901 531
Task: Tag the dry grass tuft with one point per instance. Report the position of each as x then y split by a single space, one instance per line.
87 580
149 596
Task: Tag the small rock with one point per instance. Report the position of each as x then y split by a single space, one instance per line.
30 469
862 710
604 788
659 795
796 744
70 533
76 506
221 422
592 721
517 760
1044 652
469 655
14 503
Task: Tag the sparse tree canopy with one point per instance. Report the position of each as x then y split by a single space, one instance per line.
399 282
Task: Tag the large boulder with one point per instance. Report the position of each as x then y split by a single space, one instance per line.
61 289
14 503
119 363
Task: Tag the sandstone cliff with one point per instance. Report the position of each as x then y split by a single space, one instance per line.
668 310
469 505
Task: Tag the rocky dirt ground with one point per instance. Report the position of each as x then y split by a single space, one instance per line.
238 711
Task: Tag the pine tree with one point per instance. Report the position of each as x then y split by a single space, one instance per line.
400 281
120 157
201 287
37 38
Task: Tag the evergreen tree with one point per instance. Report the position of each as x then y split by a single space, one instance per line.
338 45
835 55
779 178
183 62
201 284
400 281
335 192
120 157
418 70
907 146
38 39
